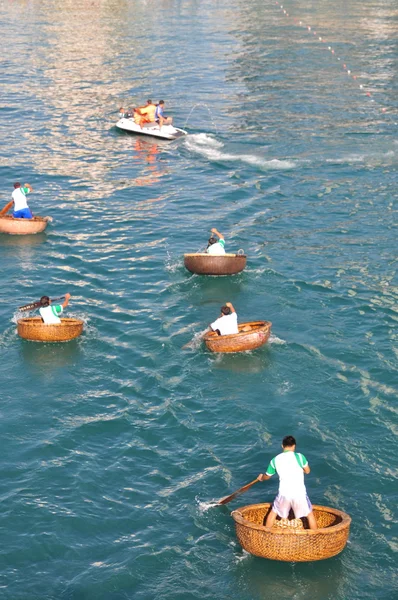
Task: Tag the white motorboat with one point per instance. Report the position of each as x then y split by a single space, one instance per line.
167 132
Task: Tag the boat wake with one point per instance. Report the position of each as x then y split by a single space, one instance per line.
205 506
212 149
19 315
196 341
172 264
273 339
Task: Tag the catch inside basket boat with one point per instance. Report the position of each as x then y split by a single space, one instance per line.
252 334
33 329
9 224
214 264
287 540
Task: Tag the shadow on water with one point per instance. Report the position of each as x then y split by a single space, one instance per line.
244 362
21 241
264 579
217 289
47 357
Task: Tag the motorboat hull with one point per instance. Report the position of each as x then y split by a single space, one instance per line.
167 132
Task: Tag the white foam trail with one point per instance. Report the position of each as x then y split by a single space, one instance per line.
19 315
202 139
205 506
242 556
273 339
210 148
172 264
196 341
366 158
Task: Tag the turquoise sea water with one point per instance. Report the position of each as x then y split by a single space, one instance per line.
115 445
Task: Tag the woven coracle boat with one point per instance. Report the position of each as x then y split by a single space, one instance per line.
288 540
251 335
9 224
212 264
33 328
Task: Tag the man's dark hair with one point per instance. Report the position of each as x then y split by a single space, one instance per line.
161 101
149 101
17 185
212 240
45 301
288 441
226 310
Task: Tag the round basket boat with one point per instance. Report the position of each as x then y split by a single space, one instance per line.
251 335
14 226
34 329
212 264
288 540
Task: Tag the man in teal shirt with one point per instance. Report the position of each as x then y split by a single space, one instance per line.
290 466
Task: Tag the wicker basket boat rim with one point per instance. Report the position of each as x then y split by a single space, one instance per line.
227 254
38 321
255 326
34 219
345 520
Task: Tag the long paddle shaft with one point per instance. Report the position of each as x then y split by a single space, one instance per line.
237 493
35 305
7 207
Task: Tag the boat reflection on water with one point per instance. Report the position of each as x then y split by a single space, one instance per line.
23 248
214 290
22 240
146 154
254 361
274 580
44 359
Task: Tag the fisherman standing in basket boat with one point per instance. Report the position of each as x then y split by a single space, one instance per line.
49 312
290 466
227 323
216 246
21 208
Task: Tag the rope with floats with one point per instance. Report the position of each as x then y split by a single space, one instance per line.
310 30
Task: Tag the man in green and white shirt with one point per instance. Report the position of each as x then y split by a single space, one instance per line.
216 246
292 494
50 312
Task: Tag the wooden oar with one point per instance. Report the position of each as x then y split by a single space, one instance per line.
35 305
7 207
238 492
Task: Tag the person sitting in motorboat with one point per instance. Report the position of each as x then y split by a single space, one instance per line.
132 113
216 246
50 312
21 208
227 323
126 113
146 113
160 117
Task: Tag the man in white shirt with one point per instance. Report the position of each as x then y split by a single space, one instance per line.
216 246
50 312
21 208
290 466
227 323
